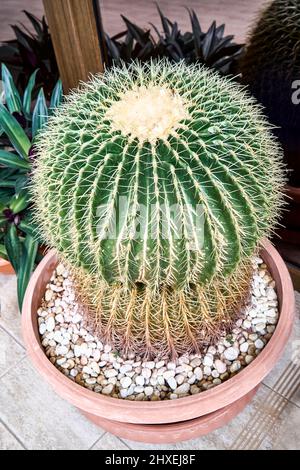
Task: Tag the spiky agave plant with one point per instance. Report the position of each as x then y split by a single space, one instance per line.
122 170
271 66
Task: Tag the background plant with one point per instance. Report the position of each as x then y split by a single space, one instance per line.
270 66
211 48
20 121
31 50
158 134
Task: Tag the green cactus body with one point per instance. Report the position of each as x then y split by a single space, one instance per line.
115 161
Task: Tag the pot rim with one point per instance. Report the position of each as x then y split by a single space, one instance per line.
149 412
3 262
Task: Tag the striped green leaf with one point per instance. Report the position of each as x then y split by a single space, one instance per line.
30 248
12 160
57 95
14 132
28 95
13 246
40 113
20 202
12 97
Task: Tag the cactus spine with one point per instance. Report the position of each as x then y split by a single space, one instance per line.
158 136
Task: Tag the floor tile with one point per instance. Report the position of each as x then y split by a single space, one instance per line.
286 433
8 441
109 442
39 417
10 317
10 352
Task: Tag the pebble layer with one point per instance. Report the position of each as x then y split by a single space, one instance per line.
82 357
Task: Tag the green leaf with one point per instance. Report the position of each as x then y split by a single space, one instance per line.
57 95
12 97
5 196
26 267
13 246
3 221
28 228
3 252
13 161
20 202
7 183
21 183
40 113
15 133
28 94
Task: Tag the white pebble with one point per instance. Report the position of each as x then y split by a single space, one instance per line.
62 350
125 368
198 373
160 364
259 344
182 389
149 364
48 295
244 347
195 362
208 361
168 374
125 382
42 328
140 380
260 326
148 391
179 379
220 366
146 373
235 366
231 354
247 324
107 390
172 383
50 324
171 366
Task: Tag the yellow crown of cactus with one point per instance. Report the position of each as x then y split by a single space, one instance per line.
156 183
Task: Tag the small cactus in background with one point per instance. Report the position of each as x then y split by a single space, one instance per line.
138 142
271 66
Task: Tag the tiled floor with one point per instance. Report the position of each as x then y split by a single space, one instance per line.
32 416
237 14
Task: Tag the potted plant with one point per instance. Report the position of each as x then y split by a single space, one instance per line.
271 68
21 117
155 185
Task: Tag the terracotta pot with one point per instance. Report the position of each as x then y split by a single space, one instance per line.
174 432
193 415
6 267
